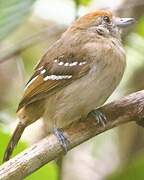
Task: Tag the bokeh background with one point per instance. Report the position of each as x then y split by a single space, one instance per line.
27 29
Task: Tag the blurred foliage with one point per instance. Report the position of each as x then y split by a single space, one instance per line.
131 138
140 27
49 171
12 13
133 171
30 58
4 138
82 2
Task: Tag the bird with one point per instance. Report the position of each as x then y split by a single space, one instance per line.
76 75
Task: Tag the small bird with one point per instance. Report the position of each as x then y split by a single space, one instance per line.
77 74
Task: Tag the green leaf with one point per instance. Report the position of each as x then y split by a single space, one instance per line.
12 13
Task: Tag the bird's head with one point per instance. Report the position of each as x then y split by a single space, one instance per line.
102 22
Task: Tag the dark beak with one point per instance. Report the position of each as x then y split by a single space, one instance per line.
123 22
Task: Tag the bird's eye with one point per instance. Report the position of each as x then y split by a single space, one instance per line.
107 19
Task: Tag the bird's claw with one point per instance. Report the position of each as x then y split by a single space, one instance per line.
62 139
99 116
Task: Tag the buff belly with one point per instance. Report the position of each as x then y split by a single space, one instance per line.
82 96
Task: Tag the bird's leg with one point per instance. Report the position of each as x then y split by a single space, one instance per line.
99 116
62 139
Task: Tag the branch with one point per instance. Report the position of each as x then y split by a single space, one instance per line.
41 36
130 8
127 109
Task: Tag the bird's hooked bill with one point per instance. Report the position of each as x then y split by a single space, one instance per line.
123 22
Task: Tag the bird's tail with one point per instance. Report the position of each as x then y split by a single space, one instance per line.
13 141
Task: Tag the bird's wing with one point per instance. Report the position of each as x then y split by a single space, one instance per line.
52 75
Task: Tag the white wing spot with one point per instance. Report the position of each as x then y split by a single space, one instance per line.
31 82
55 77
60 63
82 63
66 64
40 68
43 71
55 60
73 64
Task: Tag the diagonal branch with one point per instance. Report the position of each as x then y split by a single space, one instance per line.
127 109
41 36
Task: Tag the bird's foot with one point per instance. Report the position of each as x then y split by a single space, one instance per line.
62 139
99 116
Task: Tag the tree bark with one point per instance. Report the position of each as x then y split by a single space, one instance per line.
127 109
